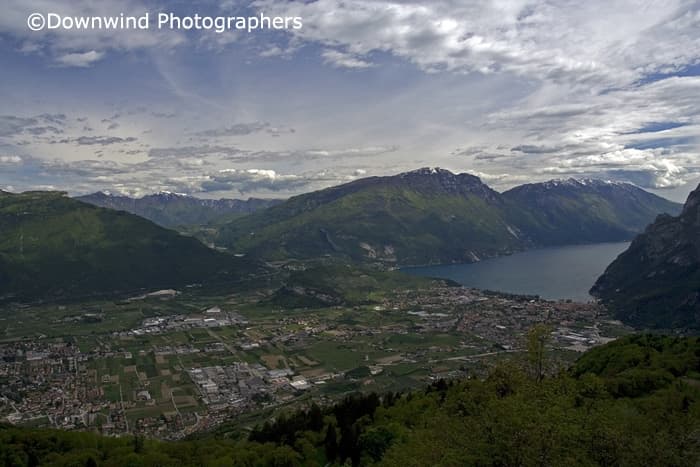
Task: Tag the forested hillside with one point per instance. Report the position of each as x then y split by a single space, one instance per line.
55 246
629 403
655 283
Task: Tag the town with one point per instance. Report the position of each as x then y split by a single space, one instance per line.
173 374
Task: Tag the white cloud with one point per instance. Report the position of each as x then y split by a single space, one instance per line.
647 168
81 60
261 180
84 47
516 90
608 134
10 160
344 60
602 42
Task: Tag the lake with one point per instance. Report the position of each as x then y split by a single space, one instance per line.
566 272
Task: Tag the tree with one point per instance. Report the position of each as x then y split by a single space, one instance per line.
330 443
375 442
348 444
315 418
138 444
537 339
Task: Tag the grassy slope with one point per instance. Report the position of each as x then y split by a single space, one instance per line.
396 222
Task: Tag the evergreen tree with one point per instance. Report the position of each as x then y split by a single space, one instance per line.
537 338
330 443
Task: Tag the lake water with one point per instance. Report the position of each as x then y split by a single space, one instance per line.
553 273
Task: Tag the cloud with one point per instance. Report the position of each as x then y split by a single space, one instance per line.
84 48
247 180
483 153
11 125
648 128
233 153
183 175
498 178
194 151
368 151
97 140
243 129
81 60
164 114
7 160
340 59
267 180
523 90
656 179
40 130
605 42
534 149
239 129
647 168
56 119
87 170
272 51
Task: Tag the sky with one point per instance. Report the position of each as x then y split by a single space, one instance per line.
514 91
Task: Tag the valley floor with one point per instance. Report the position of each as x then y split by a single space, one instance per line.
174 363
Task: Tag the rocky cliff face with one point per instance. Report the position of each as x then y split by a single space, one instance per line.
437 181
656 282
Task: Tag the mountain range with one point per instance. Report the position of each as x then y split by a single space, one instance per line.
176 210
432 215
656 281
55 246
52 245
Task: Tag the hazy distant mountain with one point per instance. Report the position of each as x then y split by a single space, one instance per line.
435 216
656 282
569 211
52 245
175 210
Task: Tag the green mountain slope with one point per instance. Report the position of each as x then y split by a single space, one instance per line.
583 211
51 245
434 216
656 282
414 218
